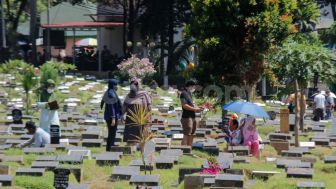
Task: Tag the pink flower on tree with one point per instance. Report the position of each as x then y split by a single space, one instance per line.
138 68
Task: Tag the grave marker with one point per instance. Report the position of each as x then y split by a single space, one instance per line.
30 171
330 159
284 120
61 178
193 182
310 185
300 172
4 170
229 180
124 172
6 180
48 165
55 134
148 180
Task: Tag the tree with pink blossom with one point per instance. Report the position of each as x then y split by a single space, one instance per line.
135 67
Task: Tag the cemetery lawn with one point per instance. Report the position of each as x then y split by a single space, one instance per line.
98 176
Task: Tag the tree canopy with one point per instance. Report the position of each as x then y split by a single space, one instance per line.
235 36
301 60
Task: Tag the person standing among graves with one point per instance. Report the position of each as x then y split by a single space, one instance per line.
329 104
40 137
48 106
319 103
136 100
189 111
113 111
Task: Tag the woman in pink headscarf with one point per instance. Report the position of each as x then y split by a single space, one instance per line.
137 96
250 135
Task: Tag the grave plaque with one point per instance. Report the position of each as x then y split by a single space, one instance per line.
61 179
284 120
333 126
54 134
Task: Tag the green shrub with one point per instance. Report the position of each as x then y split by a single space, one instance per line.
11 67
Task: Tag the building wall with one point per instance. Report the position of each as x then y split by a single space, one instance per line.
113 38
68 48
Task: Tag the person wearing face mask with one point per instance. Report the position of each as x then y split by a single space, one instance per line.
137 96
48 116
113 111
189 111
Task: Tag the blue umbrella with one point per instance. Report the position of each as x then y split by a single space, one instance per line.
246 108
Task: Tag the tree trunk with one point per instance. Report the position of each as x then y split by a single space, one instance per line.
302 108
124 28
15 23
296 86
170 65
131 16
33 22
251 90
27 102
162 52
333 9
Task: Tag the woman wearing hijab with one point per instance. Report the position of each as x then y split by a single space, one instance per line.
136 97
250 135
113 111
49 115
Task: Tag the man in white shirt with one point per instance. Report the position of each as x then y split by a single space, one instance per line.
319 102
40 137
329 104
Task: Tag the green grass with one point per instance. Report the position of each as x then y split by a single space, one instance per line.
98 176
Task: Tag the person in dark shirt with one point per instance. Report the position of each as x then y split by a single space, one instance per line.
113 111
189 111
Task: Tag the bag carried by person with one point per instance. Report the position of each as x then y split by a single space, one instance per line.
236 137
53 105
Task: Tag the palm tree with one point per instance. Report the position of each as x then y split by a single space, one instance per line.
140 118
29 81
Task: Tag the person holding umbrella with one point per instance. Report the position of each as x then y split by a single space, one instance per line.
248 125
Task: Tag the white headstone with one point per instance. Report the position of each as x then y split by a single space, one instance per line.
307 144
177 136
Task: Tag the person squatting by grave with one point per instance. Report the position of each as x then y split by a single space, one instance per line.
250 134
189 111
113 111
48 106
235 136
40 137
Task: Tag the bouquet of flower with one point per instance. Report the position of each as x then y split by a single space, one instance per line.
209 105
138 68
213 168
